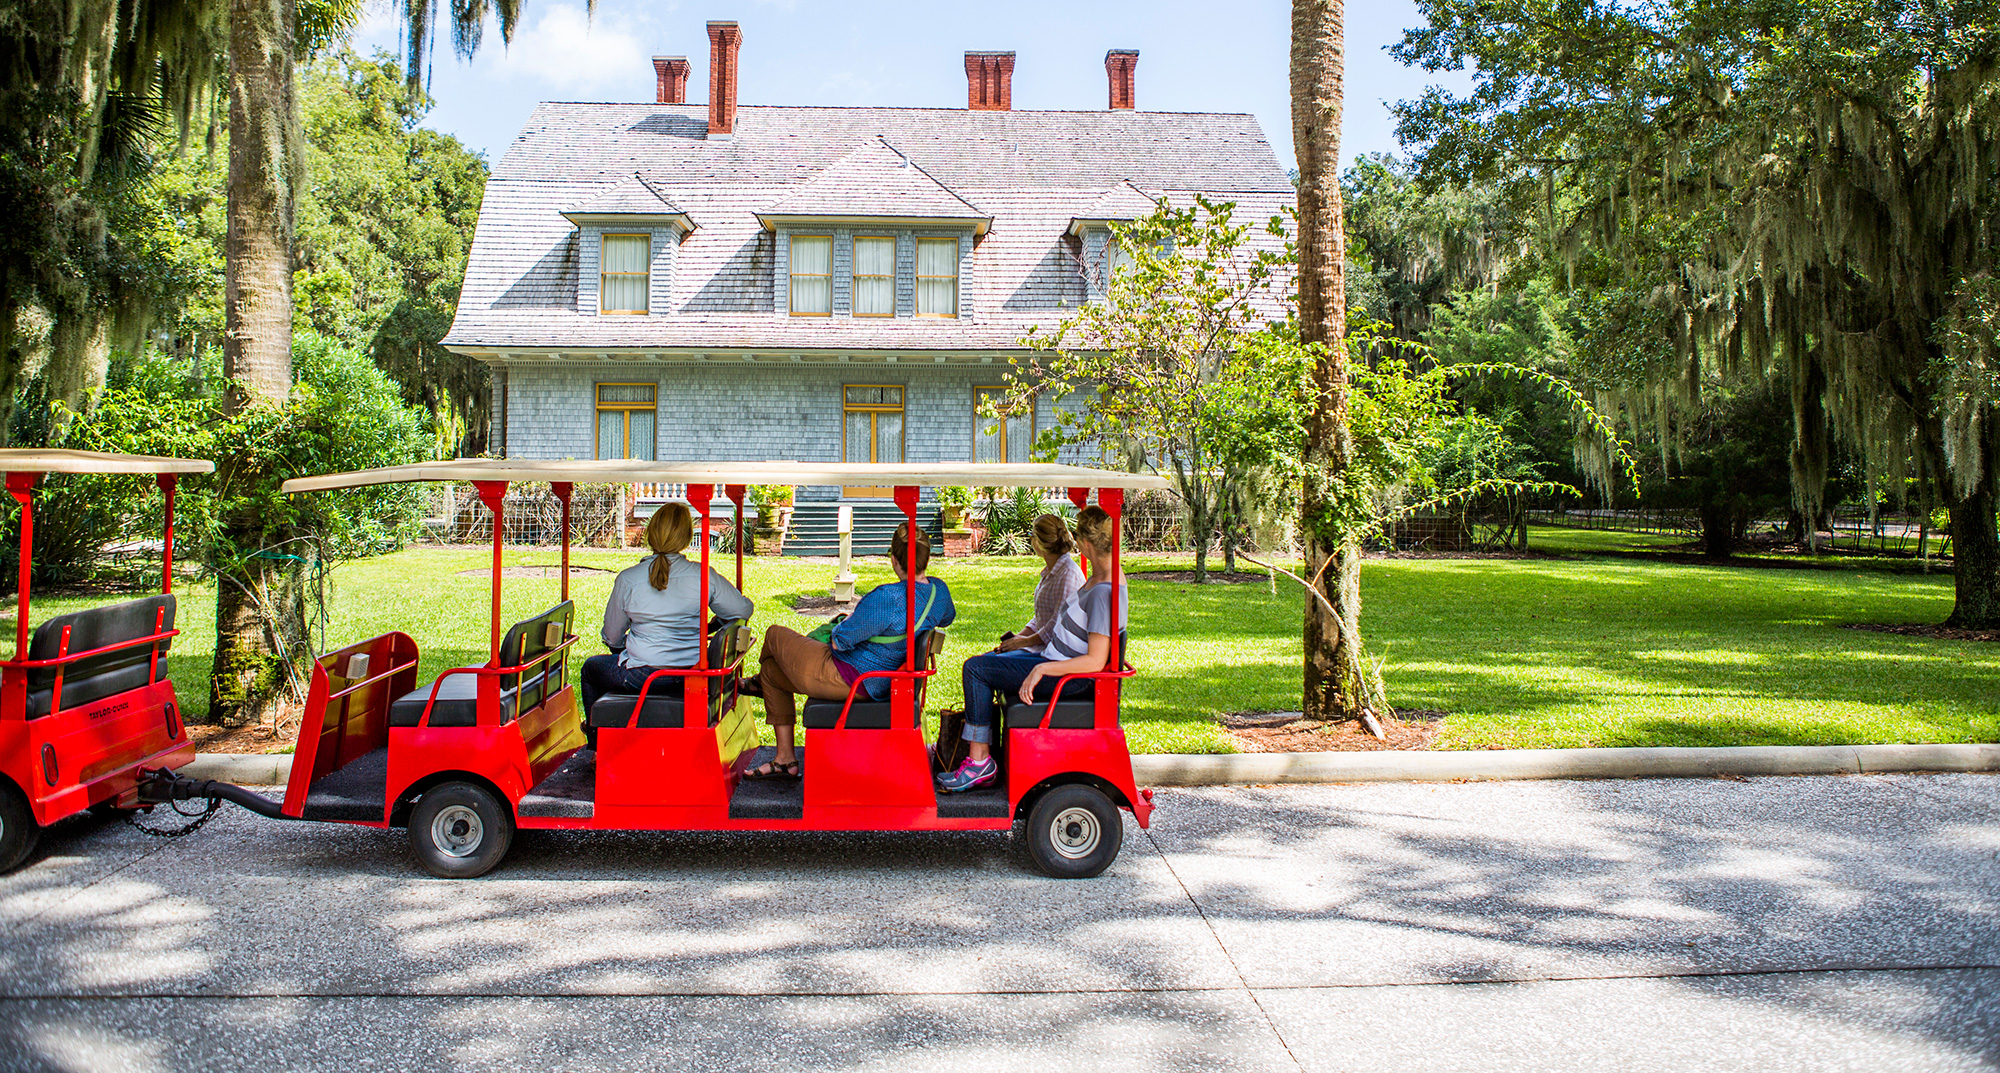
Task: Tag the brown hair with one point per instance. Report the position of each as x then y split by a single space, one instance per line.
668 531
1052 535
899 543
1093 525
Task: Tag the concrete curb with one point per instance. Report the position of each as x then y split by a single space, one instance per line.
1483 764
1225 769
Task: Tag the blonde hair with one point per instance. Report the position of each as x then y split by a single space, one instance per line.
1052 535
1093 526
667 532
899 549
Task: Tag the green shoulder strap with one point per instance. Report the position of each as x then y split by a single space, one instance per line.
887 639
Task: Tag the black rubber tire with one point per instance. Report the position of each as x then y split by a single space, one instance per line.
459 830
1074 832
18 830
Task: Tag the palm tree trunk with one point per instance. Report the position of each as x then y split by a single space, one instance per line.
257 341
1337 684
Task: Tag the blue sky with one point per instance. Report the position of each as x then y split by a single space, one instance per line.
1192 57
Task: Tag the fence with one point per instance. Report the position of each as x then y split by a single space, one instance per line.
1853 531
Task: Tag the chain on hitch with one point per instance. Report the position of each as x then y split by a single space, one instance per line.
163 787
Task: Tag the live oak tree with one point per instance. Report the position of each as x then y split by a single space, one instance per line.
1171 369
1798 189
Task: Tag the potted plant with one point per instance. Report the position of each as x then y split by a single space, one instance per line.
952 503
770 500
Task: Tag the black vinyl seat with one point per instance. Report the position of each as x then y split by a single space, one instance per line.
869 714
457 700
1076 711
93 679
666 701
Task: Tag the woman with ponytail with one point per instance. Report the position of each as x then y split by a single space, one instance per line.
653 618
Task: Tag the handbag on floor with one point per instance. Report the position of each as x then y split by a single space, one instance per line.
952 748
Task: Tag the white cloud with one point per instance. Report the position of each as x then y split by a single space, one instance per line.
565 49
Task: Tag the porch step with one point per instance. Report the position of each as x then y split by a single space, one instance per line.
815 528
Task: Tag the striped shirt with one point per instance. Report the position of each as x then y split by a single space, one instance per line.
1060 580
1087 612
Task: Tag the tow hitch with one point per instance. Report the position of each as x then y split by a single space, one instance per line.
164 787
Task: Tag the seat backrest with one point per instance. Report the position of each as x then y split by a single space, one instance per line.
96 628
528 639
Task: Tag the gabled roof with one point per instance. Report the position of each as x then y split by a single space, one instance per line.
873 182
632 198
1120 204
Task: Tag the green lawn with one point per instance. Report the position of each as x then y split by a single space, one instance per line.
1522 653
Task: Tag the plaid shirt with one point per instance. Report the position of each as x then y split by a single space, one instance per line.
1059 582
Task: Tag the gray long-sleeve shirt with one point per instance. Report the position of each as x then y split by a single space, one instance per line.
662 627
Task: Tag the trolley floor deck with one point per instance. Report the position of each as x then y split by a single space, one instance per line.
355 792
768 799
570 791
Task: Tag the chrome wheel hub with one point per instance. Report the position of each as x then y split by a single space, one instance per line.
1074 832
457 831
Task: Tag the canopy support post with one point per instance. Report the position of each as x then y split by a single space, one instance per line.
699 496
906 498
494 495
735 494
167 482
1080 497
1113 502
22 487
562 490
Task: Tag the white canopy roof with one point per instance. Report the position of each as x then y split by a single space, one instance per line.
633 470
58 460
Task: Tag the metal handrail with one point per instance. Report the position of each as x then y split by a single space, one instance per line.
431 703
855 689
370 681
28 664
646 687
1049 715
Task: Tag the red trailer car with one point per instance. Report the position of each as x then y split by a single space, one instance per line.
465 760
85 705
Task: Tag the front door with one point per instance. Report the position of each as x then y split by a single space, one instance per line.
871 429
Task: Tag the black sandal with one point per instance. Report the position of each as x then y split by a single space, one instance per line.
750 687
771 769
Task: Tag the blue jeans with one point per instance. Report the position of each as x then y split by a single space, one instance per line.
602 674
1003 672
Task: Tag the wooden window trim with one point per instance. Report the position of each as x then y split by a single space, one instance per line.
1034 421
917 298
792 278
647 275
854 277
626 408
872 409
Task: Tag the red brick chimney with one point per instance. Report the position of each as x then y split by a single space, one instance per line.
989 81
724 38
672 73
1118 63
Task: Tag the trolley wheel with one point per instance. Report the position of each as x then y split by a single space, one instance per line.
1074 832
460 830
18 830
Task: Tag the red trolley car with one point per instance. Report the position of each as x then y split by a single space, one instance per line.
466 759
85 705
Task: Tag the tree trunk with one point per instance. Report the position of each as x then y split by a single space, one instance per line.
1975 556
1337 683
1200 526
257 344
10 362
1718 538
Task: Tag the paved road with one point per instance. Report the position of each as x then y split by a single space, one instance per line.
1772 924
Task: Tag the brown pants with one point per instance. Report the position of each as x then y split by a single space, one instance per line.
789 663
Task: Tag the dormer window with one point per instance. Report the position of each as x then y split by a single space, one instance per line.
812 275
623 286
937 277
874 276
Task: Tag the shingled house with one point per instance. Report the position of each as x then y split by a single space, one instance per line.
666 280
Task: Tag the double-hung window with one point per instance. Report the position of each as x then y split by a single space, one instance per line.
937 277
812 275
625 420
874 277
623 260
1000 439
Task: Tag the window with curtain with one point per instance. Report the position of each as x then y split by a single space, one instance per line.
872 423
937 277
626 416
1002 439
624 262
874 277
812 275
